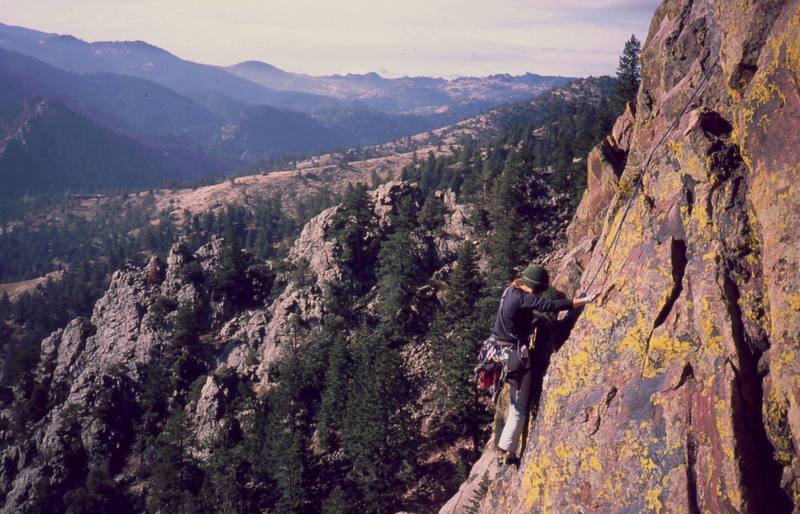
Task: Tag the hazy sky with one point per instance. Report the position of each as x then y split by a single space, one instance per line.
398 37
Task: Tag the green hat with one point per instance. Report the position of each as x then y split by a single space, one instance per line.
535 277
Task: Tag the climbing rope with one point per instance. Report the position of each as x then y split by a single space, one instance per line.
647 161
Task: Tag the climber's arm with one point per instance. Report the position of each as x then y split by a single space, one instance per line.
537 303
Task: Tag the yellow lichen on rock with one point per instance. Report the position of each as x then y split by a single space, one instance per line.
635 338
663 351
652 501
589 459
724 428
776 413
636 446
580 369
710 332
793 302
543 475
792 44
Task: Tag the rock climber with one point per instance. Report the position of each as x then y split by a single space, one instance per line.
513 325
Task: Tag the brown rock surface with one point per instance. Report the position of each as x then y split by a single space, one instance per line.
679 390
604 165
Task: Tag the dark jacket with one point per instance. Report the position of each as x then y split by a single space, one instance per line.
515 314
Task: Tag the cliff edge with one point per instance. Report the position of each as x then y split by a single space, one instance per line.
678 390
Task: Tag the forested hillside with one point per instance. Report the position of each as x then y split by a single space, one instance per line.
325 360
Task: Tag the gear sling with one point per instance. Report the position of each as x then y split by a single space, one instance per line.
501 361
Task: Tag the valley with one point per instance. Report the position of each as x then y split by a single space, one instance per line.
184 121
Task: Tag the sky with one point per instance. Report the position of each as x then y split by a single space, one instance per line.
392 37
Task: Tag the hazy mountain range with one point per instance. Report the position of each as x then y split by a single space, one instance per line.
190 120
405 94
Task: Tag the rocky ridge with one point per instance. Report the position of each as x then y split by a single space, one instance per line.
94 368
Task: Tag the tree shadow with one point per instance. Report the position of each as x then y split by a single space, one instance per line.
551 334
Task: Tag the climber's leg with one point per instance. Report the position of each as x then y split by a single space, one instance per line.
515 420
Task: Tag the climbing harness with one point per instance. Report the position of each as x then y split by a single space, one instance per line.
501 361
647 161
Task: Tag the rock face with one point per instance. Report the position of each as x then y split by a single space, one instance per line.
605 164
90 370
679 389
456 229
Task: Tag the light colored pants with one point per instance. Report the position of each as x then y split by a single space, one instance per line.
517 412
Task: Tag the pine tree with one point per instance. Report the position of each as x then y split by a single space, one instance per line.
375 179
628 73
290 473
227 471
464 285
456 335
154 402
429 177
378 434
509 243
176 477
400 273
291 403
231 277
301 275
263 492
480 492
354 227
185 355
336 502
432 214
5 307
99 494
337 384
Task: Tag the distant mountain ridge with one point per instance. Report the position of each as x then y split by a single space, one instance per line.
158 106
48 148
404 94
256 82
119 101
143 60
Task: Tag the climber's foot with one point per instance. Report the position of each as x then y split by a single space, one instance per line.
511 460
507 458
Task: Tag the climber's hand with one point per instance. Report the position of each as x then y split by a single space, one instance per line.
590 297
587 298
